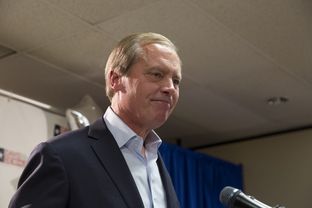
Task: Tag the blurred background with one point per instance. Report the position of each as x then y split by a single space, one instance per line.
246 93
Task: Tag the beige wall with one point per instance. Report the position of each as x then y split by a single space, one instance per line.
22 127
277 169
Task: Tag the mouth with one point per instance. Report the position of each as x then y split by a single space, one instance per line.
167 102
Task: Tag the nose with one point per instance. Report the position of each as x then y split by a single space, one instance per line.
168 87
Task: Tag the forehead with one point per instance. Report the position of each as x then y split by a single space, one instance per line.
161 56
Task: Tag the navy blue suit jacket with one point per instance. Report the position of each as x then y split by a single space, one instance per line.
82 169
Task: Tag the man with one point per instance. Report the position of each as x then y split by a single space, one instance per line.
114 162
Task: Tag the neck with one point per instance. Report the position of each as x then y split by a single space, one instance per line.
138 129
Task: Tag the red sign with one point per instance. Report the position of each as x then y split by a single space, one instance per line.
12 158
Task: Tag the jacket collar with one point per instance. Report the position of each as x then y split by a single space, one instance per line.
107 151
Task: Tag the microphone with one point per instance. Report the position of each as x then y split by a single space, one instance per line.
234 198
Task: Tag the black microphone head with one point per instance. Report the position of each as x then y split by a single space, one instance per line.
228 195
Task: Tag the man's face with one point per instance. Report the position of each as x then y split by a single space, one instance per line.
150 91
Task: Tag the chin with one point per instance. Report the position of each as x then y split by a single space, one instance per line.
159 121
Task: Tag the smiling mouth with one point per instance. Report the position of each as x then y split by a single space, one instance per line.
162 101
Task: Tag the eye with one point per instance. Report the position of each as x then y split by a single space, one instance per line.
156 74
176 81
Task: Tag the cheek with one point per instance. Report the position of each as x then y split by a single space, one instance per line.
176 96
133 88
148 89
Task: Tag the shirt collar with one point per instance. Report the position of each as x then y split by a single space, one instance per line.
122 133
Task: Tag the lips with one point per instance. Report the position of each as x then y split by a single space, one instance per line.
163 100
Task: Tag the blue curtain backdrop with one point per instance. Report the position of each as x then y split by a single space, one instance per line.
199 178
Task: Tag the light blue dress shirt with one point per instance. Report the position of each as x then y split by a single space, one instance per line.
144 169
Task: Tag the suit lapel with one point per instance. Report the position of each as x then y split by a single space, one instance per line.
172 201
109 154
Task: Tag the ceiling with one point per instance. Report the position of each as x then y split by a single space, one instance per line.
236 54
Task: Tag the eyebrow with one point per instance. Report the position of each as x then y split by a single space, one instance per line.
178 74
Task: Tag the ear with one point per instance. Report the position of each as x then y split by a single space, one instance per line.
115 80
